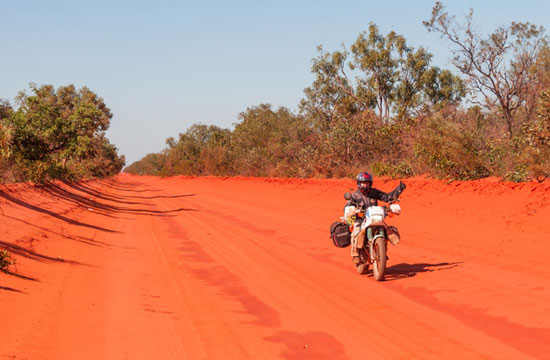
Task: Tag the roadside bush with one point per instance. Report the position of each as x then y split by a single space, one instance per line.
446 148
6 260
537 151
518 174
395 171
6 141
56 134
201 150
150 164
269 142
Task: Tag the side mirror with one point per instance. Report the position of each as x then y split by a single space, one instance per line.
347 196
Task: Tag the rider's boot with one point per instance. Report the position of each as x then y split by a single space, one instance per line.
360 240
355 255
355 235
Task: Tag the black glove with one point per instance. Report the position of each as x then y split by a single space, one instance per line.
399 189
401 186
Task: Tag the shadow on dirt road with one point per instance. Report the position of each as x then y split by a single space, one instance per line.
404 270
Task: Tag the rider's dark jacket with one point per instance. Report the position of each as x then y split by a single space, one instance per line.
362 201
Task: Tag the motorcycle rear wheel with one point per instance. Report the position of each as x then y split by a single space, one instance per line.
379 265
363 266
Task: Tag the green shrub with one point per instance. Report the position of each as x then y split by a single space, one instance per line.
6 260
448 148
395 171
519 174
536 154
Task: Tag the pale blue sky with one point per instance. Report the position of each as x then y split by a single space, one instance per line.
163 65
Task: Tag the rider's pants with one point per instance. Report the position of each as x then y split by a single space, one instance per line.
356 237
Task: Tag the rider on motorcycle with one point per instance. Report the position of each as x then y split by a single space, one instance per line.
361 199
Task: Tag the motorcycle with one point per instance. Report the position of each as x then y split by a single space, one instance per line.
377 234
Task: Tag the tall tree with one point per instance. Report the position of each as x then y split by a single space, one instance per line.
498 67
329 89
379 58
390 77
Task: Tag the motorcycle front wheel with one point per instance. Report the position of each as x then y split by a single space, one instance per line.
363 266
379 265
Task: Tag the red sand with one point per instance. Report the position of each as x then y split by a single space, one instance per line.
236 268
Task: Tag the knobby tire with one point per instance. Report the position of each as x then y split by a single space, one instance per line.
379 265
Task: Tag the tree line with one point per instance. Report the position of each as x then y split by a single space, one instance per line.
380 105
56 134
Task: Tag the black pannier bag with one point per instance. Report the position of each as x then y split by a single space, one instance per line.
340 235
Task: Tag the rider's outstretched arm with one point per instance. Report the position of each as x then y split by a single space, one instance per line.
387 197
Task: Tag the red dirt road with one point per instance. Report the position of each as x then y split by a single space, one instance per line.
236 268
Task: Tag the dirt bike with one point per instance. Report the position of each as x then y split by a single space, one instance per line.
377 234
